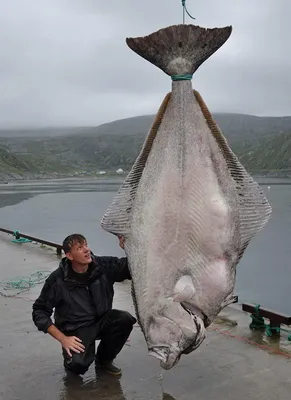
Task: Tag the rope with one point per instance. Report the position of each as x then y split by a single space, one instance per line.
22 284
182 77
258 323
18 239
185 10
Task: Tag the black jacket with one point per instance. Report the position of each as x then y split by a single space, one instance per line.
77 304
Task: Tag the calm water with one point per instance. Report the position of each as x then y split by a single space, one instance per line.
52 210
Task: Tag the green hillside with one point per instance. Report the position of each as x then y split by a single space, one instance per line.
270 154
262 143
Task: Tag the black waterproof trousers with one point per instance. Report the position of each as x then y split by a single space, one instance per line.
112 330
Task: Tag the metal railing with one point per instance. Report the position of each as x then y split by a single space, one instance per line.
19 235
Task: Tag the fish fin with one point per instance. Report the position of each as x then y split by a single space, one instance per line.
254 208
136 308
184 289
117 218
179 49
230 299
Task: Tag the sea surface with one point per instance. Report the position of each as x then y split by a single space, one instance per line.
53 209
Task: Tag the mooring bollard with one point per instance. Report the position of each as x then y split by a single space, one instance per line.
275 320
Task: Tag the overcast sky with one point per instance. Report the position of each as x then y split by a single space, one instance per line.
65 62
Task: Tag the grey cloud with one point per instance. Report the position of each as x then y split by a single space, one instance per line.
65 62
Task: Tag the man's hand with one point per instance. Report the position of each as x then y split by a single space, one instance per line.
121 241
68 342
72 343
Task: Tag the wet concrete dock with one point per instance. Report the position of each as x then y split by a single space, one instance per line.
226 366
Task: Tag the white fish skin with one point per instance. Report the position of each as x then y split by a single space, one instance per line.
188 209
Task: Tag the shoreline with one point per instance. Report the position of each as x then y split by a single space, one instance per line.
109 180
6 178
109 177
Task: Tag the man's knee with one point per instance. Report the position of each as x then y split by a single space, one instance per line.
78 367
77 364
123 318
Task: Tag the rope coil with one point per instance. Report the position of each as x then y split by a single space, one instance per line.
22 284
258 321
19 239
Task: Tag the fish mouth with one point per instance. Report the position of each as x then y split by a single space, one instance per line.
169 356
201 331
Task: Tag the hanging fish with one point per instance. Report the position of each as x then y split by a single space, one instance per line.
188 209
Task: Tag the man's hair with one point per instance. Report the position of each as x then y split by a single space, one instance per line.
70 240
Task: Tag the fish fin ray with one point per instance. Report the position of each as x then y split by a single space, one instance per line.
254 208
117 218
135 304
230 299
179 49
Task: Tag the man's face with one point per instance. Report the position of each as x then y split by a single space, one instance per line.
80 253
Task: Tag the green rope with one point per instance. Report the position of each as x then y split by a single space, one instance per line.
258 323
185 10
182 77
269 330
18 239
22 284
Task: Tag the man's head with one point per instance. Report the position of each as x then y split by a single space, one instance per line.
76 249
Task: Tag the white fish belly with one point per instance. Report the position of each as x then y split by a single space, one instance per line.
185 217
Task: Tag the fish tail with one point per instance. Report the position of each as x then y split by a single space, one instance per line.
179 50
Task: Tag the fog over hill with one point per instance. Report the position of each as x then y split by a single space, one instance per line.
262 143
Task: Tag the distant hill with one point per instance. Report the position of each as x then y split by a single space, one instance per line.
44 132
262 143
233 125
271 154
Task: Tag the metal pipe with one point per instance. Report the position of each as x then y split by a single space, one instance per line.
46 242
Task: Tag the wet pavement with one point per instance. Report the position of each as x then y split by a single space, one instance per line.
225 367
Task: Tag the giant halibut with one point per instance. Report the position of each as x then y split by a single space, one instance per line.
188 208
